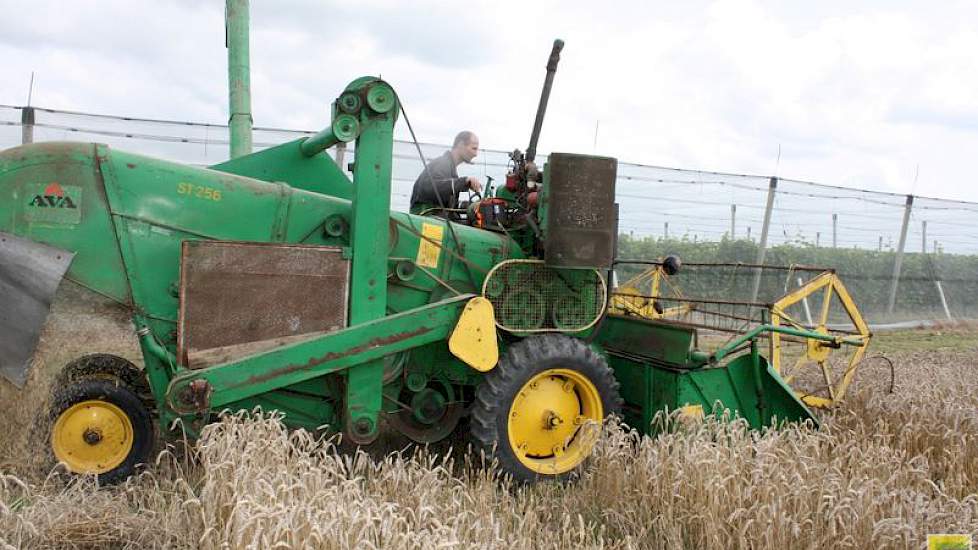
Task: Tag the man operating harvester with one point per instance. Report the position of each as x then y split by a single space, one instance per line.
438 186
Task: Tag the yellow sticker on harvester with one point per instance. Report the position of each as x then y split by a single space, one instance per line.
429 252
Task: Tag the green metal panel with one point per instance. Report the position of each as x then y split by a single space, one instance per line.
286 163
39 178
320 355
653 340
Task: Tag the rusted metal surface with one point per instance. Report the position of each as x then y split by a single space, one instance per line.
334 355
582 223
234 293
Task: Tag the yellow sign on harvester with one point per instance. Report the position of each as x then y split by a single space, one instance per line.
429 252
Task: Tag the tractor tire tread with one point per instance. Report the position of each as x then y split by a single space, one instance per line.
517 365
116 391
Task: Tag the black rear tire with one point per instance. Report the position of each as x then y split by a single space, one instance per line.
522 364
96 418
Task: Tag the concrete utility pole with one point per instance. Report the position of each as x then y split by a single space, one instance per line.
239 76
27 125
667 230
818 237
835 230
897 263
762 248
923 237
733 221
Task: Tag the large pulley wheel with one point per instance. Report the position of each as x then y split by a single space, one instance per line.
541 409
100 426
429 416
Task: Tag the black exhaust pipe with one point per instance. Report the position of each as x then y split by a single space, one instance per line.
531 151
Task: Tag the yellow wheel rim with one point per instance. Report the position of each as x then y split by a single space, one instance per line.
92 437
552 420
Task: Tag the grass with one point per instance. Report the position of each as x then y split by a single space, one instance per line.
950 337
882 472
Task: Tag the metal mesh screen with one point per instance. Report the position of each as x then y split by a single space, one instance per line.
528 296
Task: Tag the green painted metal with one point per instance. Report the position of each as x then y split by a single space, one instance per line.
239 77
410 278
369 241
356 346
345 127
660 370
287 164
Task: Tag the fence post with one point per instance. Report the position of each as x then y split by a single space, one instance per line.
733 221
835 230
898 261
27 125
923 237
761 249
340 152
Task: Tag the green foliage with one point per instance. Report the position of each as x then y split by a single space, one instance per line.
866 273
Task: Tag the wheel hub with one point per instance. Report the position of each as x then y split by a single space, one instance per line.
428 406
92 437
546 419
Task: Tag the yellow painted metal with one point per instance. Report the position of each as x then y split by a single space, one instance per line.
474 338
92 437
429 252
554 421
691 412
637 296
818 353
817 350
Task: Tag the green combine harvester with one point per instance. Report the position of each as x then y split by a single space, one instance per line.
275 280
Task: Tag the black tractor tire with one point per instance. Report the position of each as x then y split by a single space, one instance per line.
521 363
111 396
109 367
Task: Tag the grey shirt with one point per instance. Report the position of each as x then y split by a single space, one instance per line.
441 176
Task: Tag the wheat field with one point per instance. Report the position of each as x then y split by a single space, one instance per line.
883 471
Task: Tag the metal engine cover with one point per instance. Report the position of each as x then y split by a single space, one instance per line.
234 293
581 223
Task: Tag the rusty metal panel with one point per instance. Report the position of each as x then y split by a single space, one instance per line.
582 220
233 293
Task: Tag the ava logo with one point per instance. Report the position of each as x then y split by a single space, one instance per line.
53 203
53 196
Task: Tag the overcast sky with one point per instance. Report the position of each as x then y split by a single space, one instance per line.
853 94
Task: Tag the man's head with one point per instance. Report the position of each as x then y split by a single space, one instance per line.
466 147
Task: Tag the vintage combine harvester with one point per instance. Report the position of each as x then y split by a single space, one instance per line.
274 280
